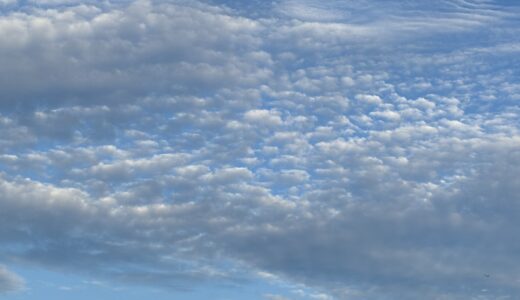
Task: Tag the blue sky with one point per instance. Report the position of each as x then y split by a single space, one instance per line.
271 150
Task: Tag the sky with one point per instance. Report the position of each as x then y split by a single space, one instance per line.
270 150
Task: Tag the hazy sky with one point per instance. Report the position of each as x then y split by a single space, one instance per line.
270 150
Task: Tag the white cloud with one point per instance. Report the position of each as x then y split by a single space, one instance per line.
8 2
370 99
9 282
275 297
264 117
387 114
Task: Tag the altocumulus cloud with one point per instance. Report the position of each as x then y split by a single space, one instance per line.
367 151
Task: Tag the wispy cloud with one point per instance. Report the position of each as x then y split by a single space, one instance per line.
9 282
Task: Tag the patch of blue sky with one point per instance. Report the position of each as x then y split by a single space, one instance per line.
58 284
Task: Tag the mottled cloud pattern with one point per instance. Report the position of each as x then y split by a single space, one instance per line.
367 150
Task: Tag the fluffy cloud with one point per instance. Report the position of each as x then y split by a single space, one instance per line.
113 53
176 144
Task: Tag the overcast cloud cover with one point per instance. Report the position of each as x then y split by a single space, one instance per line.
324 149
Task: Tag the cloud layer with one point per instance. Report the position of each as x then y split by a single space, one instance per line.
179 143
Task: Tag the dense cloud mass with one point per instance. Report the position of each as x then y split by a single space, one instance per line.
365 150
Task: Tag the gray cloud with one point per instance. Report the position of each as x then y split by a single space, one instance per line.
175 143
89 53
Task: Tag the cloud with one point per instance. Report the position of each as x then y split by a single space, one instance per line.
9 281
162 45
275 297
177 144
8 2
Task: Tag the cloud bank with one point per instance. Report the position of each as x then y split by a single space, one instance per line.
175 144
